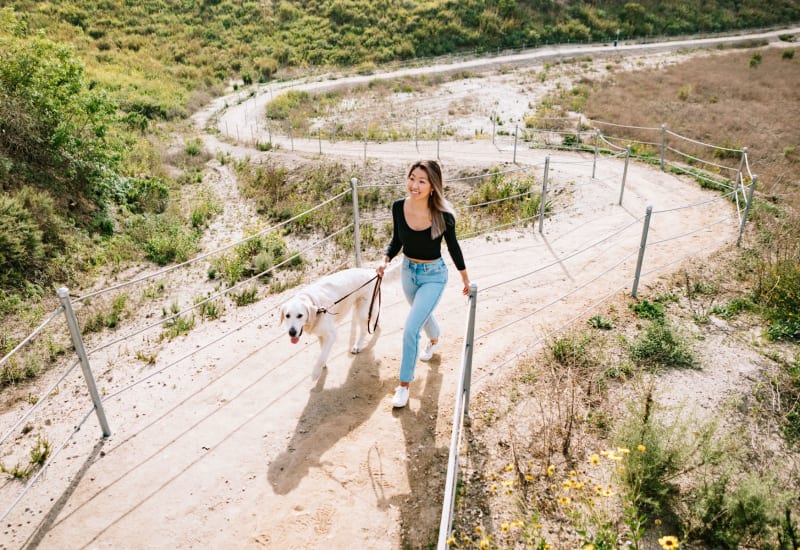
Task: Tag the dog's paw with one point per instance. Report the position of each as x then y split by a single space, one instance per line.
355 349
316 372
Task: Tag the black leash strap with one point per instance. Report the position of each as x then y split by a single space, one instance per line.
375 292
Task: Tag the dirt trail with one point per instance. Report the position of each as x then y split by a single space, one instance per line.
237 448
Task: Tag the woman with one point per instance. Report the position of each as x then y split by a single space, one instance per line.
421 220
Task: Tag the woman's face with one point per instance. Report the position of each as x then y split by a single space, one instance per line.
418 185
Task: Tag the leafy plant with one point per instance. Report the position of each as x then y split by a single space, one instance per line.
661 345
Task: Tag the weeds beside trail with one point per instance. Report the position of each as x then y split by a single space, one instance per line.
604 439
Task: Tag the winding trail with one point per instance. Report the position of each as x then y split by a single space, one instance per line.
237 448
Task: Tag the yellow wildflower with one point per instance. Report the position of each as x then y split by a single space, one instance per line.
588 547
551 470
670 541
528 477
563 501
516 523
505 527
657 521
478 529
623 450
594 460
572 474
641 448
493 488
567 485
509 467
484 543
451 541
508 483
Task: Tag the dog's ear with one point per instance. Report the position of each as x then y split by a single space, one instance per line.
282 314
311 310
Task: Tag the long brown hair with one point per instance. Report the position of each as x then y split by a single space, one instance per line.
436 201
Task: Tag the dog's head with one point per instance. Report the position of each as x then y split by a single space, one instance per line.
297 313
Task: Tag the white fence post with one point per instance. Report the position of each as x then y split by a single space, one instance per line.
747 208
461 410
596 151
544 192
77 341
624 173
663 145
642 246
356 223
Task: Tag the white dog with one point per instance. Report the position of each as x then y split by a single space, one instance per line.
317 307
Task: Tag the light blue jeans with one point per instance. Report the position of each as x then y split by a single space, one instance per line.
423 285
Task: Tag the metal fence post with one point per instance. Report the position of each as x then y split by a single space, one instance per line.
291 136
624 173
596 150
663 144
747 208
642 246
741 166
516 134
469 344
578 135
461 410
77 341
356 223
544 192
494 123
319 139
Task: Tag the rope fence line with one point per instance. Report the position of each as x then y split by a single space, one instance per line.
39 401
122 390
214 296
32 335
213 252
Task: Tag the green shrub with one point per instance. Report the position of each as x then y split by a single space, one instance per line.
107 317
21 250
779 295
660 345
164 237
245 296
788 53
729 514
649 310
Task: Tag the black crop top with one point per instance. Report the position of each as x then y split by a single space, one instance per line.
419 244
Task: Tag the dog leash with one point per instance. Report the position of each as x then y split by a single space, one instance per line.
375 292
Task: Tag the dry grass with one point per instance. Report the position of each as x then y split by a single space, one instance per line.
720 99
544 420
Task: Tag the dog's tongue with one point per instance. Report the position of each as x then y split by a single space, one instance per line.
295 339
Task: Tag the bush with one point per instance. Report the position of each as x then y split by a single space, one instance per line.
660 345
731 515
21 250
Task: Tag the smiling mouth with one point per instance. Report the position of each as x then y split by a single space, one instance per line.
296 339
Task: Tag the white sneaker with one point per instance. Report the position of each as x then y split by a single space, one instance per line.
430 349
400 398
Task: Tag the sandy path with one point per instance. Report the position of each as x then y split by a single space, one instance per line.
236 448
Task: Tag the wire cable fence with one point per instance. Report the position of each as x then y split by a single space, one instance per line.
160 290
